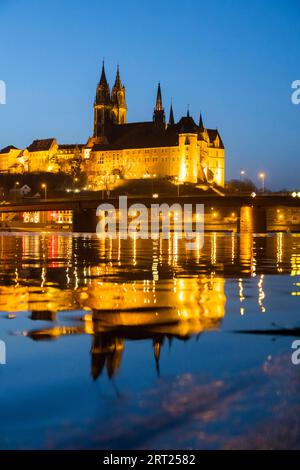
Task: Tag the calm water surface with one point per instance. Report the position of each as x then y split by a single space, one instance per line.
129 344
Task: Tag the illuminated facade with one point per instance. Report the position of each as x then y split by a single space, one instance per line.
184 151
11 160
44 155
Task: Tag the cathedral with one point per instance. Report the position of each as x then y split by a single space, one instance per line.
181 151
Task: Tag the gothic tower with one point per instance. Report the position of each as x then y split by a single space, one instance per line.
171 117
118 101
102 106
159 113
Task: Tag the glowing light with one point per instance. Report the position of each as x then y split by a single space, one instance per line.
155 196
182 175
253 194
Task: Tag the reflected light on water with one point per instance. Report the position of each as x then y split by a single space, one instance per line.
121 290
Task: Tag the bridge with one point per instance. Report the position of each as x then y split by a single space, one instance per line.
249 209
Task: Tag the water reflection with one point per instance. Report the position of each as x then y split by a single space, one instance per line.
130 290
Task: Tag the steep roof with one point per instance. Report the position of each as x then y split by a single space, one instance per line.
147 134
213 134
41 145
8 149
187 125
139 135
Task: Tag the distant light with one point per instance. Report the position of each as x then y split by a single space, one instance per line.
77 191
232 214
294 194
68 190
298 194
253 194
155 195
262 175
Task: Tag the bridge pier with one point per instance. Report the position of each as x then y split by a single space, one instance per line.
252 219
84 220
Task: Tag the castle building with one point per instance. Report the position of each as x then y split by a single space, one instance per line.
183 150
9 160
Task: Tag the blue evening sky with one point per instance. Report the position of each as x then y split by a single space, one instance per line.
233 60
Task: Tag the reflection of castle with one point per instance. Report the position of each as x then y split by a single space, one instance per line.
119 291
185 308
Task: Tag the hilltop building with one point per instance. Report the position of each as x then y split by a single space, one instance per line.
182 151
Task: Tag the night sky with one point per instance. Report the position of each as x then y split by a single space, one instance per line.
234 61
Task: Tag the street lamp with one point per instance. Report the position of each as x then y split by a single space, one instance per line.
262 177
16 184
242 174
44 186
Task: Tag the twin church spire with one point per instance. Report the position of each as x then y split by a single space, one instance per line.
110 107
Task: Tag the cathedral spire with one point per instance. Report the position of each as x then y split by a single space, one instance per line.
158 106
171 117
118 100
200 125
118 83
159 114
103 91
102 106
103 80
